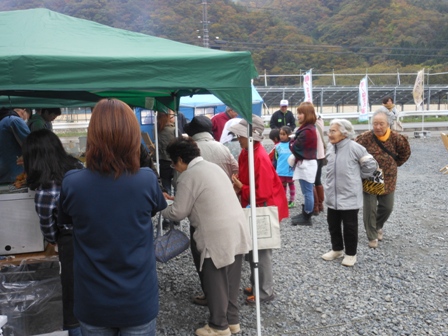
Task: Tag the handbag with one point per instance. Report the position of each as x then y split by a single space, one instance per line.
374 185
171 244
268 227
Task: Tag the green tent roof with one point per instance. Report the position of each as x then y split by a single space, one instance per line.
51 55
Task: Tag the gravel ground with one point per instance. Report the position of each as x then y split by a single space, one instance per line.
400 288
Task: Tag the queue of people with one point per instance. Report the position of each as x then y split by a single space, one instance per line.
112 287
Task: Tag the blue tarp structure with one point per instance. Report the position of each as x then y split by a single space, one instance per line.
213 105
203 103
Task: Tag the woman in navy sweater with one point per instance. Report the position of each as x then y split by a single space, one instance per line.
110 205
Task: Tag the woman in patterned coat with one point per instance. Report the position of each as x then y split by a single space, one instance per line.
377 208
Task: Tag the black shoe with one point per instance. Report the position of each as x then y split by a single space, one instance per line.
302 219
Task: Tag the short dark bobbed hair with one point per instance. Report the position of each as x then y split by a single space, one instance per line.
184 148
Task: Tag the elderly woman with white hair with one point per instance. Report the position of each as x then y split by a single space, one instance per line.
348 163
391 149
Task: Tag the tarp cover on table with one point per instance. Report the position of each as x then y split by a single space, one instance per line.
46 54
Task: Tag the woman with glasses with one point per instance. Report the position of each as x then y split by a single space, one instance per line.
205 195
348 164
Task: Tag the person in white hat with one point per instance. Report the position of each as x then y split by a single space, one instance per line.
283 117
269 192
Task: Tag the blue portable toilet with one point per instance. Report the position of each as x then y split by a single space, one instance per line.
146 120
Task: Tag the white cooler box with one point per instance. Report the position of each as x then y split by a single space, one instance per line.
19 224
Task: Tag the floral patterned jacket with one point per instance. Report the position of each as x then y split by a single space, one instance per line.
396 144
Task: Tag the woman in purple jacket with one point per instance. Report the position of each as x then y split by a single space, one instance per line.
304 148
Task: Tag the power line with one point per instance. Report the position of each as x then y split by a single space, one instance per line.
300 45
241 46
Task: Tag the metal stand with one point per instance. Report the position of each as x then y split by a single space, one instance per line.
422 134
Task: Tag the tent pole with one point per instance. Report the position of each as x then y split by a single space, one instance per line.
176 121
156 138
253 207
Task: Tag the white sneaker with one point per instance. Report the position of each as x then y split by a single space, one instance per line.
209 331
332 255
380 234
349 260
373 243
234 328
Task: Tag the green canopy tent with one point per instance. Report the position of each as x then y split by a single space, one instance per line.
45 55
51 55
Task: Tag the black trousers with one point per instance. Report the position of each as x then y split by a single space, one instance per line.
65 250
347 233
166 175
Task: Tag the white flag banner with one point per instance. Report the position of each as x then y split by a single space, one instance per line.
363 100
418 90
308 86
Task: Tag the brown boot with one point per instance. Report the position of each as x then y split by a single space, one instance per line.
316 203
321 197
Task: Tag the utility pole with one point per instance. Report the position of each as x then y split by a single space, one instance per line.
205 25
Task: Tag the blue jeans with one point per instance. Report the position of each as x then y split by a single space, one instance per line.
74 331
307 191
148 329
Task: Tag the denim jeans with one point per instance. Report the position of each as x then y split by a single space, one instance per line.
148 329
74 331
307 191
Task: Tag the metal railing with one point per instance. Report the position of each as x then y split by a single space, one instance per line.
354 115
267 117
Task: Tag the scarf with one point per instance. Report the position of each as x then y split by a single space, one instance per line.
385 136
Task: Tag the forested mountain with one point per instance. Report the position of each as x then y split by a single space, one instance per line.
287 36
